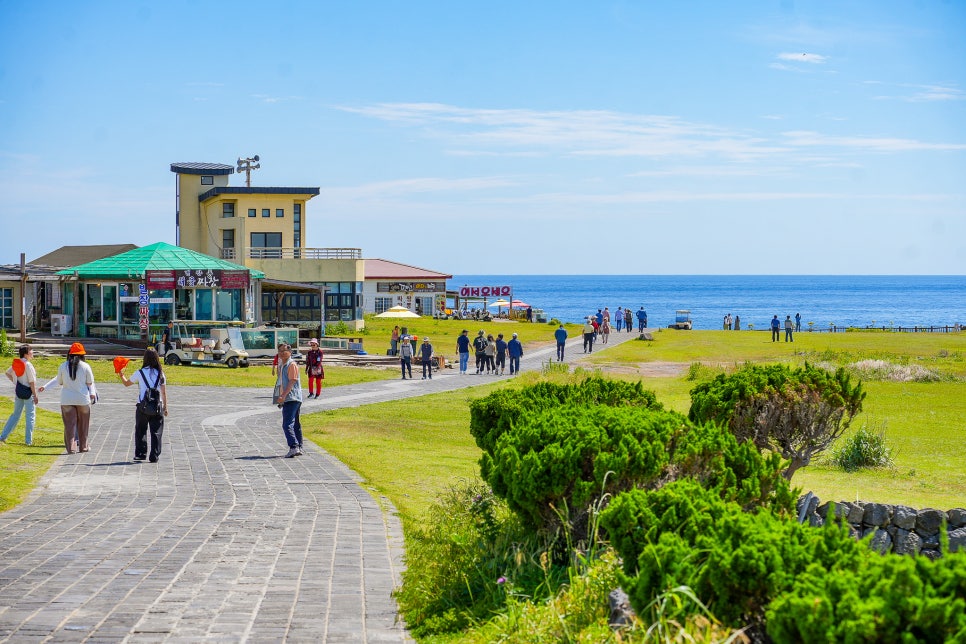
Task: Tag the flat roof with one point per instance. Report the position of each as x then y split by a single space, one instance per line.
191 167
244 190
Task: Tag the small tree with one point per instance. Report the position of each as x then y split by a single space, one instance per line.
796 413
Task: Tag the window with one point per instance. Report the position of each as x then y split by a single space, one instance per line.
383 304
266 245
228 243
266 212
207 180
93 303
252 212
228 305
297 225
183 304
302 307
204 308
228 209
109 303
6 308
280 212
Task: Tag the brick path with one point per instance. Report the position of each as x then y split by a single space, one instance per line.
222 540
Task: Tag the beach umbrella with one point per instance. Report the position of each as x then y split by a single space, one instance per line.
119 363
398 312
19 367
517 304
500 303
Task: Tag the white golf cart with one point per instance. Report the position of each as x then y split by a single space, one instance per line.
203 344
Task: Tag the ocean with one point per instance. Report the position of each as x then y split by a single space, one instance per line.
824 300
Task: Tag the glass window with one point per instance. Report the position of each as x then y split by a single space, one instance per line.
162 306
266 212
228 209
279 212
252 212
297 225
183 306
228 238
383 304
204 304
6 308
109 303
266 245
207 180
93 303
228 304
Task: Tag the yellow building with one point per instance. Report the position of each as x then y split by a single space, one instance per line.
264 228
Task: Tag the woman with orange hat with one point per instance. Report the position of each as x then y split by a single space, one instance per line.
77 394
22 374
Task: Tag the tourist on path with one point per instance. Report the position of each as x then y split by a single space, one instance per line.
600 318
290 400
619 319
490 354
314 369
561 336
515 349
776 326
605 331
463 350
589 335
406 357
426 357
501 349
25 384
628 319
479 346
606 315
798 321
789 326
149 376
77 394
641 320
167 341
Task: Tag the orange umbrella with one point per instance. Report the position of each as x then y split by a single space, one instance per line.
19 367
119 363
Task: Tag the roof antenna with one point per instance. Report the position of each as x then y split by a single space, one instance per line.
246 165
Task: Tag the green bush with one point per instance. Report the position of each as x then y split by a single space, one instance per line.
797 413
864 448
494 414
6 347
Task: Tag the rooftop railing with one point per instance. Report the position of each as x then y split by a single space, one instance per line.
294 253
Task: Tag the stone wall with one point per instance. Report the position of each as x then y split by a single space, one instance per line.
894 528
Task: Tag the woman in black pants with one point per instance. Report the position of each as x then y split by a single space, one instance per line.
149 376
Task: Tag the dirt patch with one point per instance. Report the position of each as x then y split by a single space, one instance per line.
648 369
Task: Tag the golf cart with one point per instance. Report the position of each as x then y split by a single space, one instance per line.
682 320
192 347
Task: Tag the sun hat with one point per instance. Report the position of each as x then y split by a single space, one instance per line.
425 339
77 349
119 363
313 341
514 335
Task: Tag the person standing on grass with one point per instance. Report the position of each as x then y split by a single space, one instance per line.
789 326
289 399
737 323
26 383
798 321
394 340
775 329
314 369
426 357
561 336
515 348
406 357
463 350
149 376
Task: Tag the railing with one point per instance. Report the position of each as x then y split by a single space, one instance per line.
295 253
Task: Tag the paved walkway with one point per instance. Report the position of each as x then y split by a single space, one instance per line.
222 540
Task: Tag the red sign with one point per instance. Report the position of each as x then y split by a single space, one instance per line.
234 279
159 279
486 291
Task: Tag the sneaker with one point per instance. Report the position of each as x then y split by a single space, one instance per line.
292 452
300 452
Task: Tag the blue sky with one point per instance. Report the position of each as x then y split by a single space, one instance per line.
788 137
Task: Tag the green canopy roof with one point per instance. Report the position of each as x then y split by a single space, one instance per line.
156 257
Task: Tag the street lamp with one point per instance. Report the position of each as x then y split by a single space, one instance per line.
246 165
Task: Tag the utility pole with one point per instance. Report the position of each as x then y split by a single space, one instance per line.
23 298
246 165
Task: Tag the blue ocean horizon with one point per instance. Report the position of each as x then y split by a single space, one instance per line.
823 300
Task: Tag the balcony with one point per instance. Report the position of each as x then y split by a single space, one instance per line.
293 253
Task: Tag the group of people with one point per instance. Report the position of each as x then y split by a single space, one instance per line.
789 325
404 345
78 394
491 353
599 327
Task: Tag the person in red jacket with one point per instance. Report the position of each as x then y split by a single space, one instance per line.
313 368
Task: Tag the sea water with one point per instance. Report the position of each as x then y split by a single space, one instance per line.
823 300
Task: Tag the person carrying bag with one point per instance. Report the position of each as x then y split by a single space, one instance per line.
152 406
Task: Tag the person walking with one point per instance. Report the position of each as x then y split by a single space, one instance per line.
605 331
426 357
775 329
463 350
24 378
501 347
77 394
589 335
628 319
515 348
149 378
406 357
619 319
490 354
314 370
289 399
641 320
479 345
789 326
561 336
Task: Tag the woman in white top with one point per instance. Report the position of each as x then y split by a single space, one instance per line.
27 379
77 394
150 375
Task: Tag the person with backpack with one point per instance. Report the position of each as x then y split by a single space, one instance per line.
152 406
479 345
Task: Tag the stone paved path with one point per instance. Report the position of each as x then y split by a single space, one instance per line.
222 540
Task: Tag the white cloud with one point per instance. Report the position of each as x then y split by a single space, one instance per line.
870 144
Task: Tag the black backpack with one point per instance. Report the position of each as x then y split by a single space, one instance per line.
151 405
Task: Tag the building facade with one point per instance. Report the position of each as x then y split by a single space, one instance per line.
390 284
